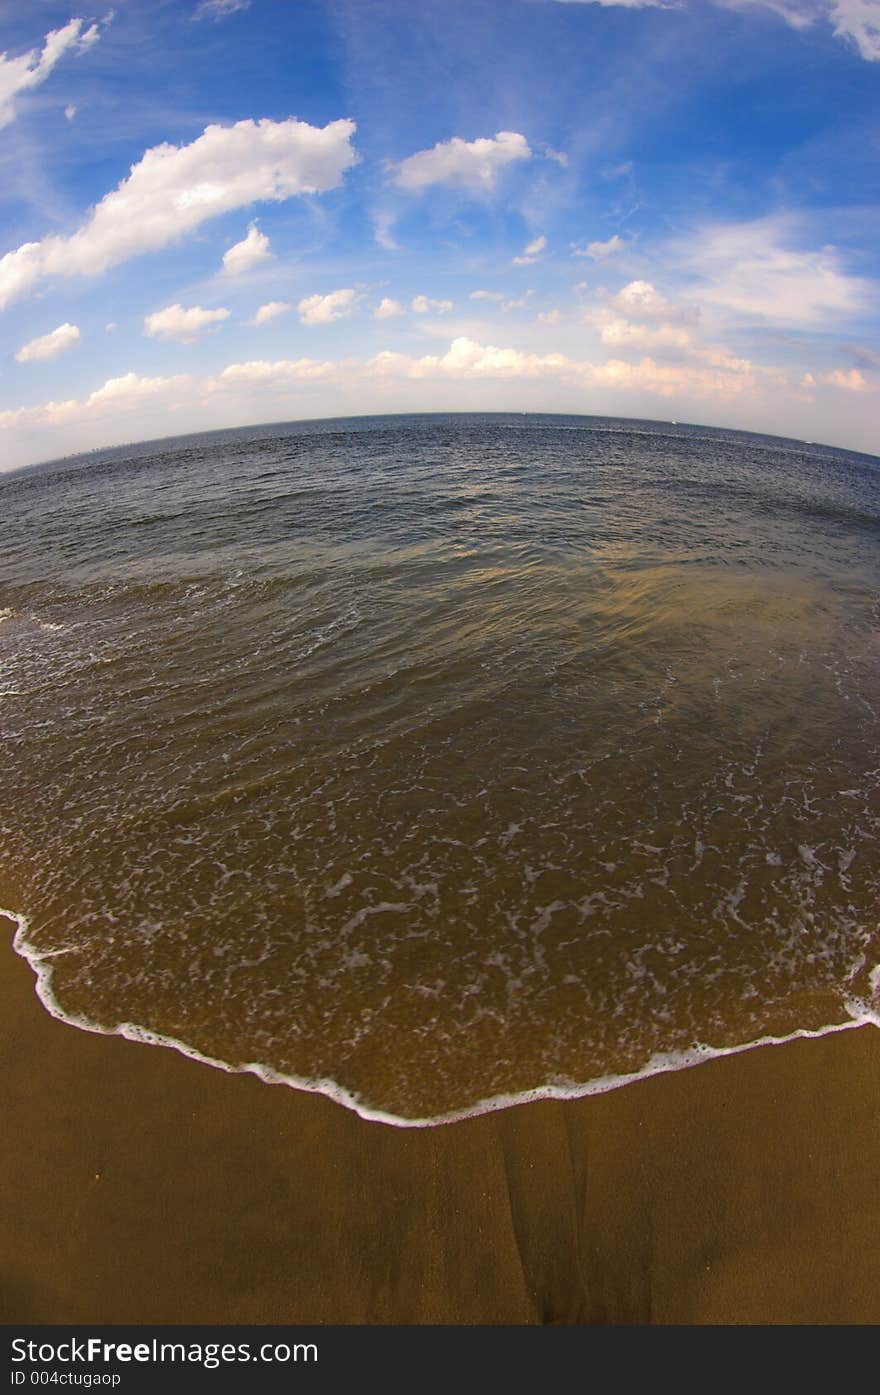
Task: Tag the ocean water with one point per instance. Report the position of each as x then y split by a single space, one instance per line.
439 762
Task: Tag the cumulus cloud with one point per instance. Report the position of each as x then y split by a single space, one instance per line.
467 359
117 396
173 189
70 111
752 270
387 308
424 305
598 251
184 325
640 300
247 254
531 253
32 68
474 164
58 341
486 295
852 381
324 309
270 311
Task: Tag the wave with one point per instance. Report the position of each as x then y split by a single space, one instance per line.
862 1014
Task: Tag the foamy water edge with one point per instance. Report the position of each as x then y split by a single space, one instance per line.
862 1015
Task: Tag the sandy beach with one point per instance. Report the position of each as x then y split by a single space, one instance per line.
143 1187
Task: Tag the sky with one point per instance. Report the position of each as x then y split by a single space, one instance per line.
216 213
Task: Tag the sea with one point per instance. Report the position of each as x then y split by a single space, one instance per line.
438 763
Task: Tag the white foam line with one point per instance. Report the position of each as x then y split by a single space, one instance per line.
660 1064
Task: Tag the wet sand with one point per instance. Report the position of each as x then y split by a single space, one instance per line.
140 1187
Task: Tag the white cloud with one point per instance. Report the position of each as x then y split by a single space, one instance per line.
49 345
548 317
173 189
270 311
640 300
387 308
324 309
599 250
247 254
423 305
260 373
110 326
486 295
117 396
32 68
672 380
474 164
851 381
467 359
531 253
130 402
623 334
219 9
129 390
70 111
184 325
751 270
858 20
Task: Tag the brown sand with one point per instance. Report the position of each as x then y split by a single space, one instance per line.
139 1186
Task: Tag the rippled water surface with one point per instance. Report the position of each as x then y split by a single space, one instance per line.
426 760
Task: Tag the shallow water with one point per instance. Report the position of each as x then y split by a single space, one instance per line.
434 759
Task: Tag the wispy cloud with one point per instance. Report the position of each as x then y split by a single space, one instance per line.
531 253
856 21
220 9
18 75
753 270
598 251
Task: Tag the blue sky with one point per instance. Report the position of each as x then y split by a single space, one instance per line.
238 211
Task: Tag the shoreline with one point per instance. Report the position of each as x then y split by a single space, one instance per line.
144 1188
663 1064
